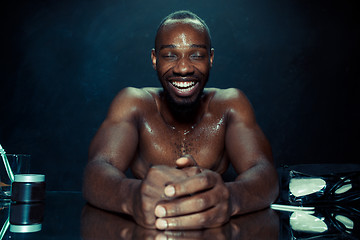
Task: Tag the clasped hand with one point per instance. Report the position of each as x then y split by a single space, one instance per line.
186 197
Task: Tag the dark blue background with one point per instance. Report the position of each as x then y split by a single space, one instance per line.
64 61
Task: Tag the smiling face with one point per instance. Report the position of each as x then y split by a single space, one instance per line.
182 58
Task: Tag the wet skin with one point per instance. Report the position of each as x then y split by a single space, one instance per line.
177 141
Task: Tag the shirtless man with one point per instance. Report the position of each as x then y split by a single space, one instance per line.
178 140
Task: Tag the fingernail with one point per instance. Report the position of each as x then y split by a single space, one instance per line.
182 160
160 211
169 191
161 224
161 237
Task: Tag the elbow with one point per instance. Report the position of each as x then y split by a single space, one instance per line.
85 186
88 184
274 188
275 192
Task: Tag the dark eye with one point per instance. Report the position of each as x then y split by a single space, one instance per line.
196 56
169 56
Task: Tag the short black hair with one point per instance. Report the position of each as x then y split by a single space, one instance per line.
183 14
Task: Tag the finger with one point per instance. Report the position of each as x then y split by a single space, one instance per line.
186 161
158 177
163 175
191 171
165 172
200 182
207 219
184 235
213 233
188 205
159 236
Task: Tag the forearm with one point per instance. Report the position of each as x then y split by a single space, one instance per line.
108 188
254 189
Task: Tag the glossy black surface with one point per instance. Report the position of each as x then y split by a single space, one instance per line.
61 217
65 215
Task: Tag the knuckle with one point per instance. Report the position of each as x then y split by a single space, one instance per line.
202 220
179 188
226 193
172 210
203 202
177 209
144 188
153 171
146 206
204 180
217 222
223 209
175 223
149 221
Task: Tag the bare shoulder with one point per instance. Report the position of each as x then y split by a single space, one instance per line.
227 94
132 93
130 102
229 98
233 102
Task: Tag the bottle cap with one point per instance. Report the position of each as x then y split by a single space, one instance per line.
25 228
29 178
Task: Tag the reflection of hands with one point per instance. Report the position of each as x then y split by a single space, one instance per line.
199 201
195 200
153 188
152 192
99 224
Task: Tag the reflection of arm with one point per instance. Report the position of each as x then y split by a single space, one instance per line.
98 224
263 224
110 154
256 186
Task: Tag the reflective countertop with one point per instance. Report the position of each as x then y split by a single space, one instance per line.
336 215
59 216
65 215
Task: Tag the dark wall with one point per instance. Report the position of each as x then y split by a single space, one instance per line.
64 61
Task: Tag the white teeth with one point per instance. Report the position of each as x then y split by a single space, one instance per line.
183 84
185 90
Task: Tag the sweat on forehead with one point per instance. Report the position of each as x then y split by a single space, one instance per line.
170 24
193 22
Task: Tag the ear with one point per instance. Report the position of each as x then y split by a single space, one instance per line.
211 56
153 58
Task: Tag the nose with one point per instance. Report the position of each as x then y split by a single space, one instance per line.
183 67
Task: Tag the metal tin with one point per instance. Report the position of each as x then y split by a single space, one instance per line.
28 188
26 217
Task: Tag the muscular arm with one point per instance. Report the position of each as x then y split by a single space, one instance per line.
105 185
256 186
113 147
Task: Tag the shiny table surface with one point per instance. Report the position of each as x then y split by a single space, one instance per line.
67 216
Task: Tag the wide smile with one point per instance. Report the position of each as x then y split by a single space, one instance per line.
184 88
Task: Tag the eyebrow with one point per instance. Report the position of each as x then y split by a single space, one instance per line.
191 46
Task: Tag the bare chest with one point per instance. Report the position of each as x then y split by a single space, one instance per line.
161 143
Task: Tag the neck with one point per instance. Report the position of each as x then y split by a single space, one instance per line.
186 114
176 115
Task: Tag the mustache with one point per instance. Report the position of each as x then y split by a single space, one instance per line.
183 78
